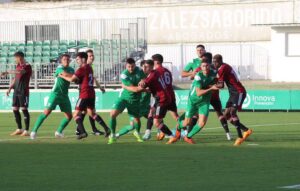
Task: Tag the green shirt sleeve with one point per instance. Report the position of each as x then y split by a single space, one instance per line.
188 67
125 80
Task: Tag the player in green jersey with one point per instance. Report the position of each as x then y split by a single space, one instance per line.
190 69
129 99
198 101
144 106
58 96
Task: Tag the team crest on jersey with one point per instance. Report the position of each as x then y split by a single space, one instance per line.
197 78
123 76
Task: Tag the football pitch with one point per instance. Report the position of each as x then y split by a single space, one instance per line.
269 160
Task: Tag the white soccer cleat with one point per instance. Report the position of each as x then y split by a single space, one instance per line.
59 135
147 135
33 135
228 136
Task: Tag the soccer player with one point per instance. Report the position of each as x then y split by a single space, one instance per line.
58 96
190 69
129 99
20 84
199 101
90 61
144 106
159 81
86 102
237 95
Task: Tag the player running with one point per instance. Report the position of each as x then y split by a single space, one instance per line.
237 95
90 61
58 96
86 102
198 101
129 99
159 82
20 84
144 105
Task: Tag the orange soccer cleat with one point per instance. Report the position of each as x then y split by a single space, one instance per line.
238 141
246 134
17 132
178 134
160 136
172 140
189 140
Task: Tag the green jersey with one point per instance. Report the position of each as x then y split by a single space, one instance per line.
145 100
61 86
202 81
191 66
131 79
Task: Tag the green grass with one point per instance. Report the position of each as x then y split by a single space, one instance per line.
269 159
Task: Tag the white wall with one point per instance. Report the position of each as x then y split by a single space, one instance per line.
250 60
284 68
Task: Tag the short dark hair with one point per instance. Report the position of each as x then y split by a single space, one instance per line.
218 58
64 55
130 61
150 62
90 51
208 57
200 46
158 57
19 54
82 55
143 62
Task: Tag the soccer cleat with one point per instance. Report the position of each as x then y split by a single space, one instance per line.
58 135
178 134
25 134
172 140
246 134
77 132
160 136
238 141
33 135
107 133
97 132
82 136
147 135
138 137
228 136
111 140
17 132
189 140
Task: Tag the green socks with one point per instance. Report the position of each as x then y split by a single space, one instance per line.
39 122
64 122
194 131
112 125
125 130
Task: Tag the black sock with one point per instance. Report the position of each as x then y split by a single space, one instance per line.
239 125
166 130
82 116
92 122
102 123
149 123
239 132
26 119
224 125
80 127
194 121
18 118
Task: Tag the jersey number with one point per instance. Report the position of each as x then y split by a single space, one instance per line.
165 80
91 80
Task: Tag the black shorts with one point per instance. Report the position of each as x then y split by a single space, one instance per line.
83 104
160 111
20 101
216 104
236 100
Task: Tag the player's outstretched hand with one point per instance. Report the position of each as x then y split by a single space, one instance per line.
8 92
102 90
142 84
214 87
